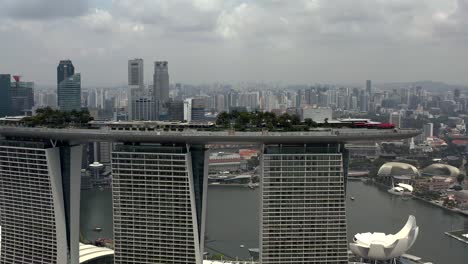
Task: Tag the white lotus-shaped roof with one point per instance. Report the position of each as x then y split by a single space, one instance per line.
379 246
398 169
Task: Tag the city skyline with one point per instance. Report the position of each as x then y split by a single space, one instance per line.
316 41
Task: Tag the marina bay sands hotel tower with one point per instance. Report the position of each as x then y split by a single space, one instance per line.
159 191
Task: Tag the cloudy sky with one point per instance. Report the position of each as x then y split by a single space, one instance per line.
289 41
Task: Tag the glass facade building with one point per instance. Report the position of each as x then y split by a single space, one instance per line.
303 216
65 69
158 203
69 93
5 97
22 97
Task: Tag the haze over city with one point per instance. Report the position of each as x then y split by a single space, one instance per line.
303 41
233 131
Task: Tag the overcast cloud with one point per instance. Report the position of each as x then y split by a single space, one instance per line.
291 41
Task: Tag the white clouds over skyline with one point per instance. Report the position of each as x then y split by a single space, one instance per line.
292 41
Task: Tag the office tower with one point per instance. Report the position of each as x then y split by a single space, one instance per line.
198 109
456 94
92 98
353 103
135 73
158 197
69 93
5 97
395 118
22 97
307 96
428 130
161 86
39 201
141 105
303 216
188 109
369 88
220 102
232 99
363 101
299 98
323 100
176 110
65 69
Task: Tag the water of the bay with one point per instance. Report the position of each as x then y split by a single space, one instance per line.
233 220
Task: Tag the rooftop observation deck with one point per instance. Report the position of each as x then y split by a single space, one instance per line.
343 135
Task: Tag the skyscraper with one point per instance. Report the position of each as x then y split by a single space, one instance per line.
428 130
159 192
395 118
22 97
369 87
161 85
5 97
176 110
39 201
135 73
65 69
303 216
158 197
141 106
69 93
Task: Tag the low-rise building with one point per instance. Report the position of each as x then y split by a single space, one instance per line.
461 197
436 183
221 161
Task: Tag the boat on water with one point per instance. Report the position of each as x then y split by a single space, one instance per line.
352 198
97 229
252 185
401 189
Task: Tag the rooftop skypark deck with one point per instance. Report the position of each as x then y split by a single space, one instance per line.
193 136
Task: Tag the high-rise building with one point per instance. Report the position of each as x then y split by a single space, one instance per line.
198 109
158 197
69 93
143 109
141 105
135 72
369 88
176 110
161 85
363 101
395 118
159 192
303 216
5 97
428 130
22 97
188 109
39 201
65 69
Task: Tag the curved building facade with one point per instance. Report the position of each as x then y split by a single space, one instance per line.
379 246
398 169
39 202
441 170
90 254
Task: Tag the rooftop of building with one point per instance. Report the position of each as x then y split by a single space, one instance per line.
398 169
136 134
439 169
